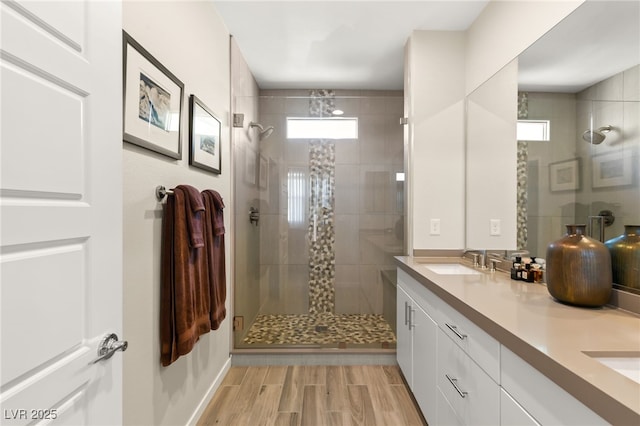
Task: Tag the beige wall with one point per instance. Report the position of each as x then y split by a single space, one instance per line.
436 144
436 92
505 29
192 42
491 151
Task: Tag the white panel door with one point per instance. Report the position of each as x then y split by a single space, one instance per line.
60 211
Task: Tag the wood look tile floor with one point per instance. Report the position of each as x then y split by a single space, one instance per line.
313 396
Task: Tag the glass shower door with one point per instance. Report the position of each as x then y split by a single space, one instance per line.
330 224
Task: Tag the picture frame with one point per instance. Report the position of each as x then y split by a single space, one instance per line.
612 169
204 137
263 172
152 101
564 175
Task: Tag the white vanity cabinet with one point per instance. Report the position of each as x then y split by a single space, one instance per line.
436 352
461 375
416 348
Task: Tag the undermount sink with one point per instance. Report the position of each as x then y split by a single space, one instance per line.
450 269
627 364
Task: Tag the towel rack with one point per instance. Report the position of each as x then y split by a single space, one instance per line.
162 192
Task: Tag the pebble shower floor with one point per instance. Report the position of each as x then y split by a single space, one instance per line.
320 329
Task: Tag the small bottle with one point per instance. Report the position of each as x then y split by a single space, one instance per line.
516 272
537 273
525 272
530 273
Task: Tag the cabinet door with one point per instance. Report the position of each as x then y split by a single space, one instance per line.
446 414
404 336
424 362
512 414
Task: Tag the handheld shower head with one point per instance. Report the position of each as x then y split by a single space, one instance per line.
263 132
597 136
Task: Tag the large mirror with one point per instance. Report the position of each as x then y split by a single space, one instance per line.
582 79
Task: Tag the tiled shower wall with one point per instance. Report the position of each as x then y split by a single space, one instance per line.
614 101
367 211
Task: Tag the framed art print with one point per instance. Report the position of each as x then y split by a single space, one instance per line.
612 169
152 101
204 137
564 175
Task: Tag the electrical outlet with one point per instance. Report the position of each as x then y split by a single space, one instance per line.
494 227
435 227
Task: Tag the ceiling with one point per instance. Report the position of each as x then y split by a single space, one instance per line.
303 44
598 40
335 44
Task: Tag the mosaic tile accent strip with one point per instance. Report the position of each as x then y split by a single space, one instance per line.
322 161
521 173
323 329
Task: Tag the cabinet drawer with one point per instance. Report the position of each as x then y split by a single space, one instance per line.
419 293
472 394
481 347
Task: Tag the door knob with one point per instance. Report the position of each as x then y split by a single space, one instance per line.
108 346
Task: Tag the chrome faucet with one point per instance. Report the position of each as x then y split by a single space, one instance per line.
478 256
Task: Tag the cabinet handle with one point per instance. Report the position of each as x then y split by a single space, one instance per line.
454 383
455 331
406 307
411 324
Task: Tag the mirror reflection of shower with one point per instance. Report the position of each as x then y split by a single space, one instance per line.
596 137
263 132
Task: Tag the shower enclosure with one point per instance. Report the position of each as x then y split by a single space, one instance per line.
319 217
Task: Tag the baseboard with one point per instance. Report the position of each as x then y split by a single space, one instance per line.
209 394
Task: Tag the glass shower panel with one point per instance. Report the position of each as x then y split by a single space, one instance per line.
322 273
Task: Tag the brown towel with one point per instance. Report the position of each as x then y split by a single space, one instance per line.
196 217
185 299
214 244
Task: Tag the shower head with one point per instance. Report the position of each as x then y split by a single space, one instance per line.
263 132
596 136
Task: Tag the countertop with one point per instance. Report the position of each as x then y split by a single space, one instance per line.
550 336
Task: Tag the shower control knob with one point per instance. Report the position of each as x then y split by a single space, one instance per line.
254 216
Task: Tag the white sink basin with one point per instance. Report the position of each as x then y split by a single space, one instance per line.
628 366
450 269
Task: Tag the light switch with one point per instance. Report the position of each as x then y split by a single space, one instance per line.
494 227
435 227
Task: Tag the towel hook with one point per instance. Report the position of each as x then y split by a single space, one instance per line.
162 192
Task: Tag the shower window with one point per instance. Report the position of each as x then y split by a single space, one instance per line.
322 128
533 130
